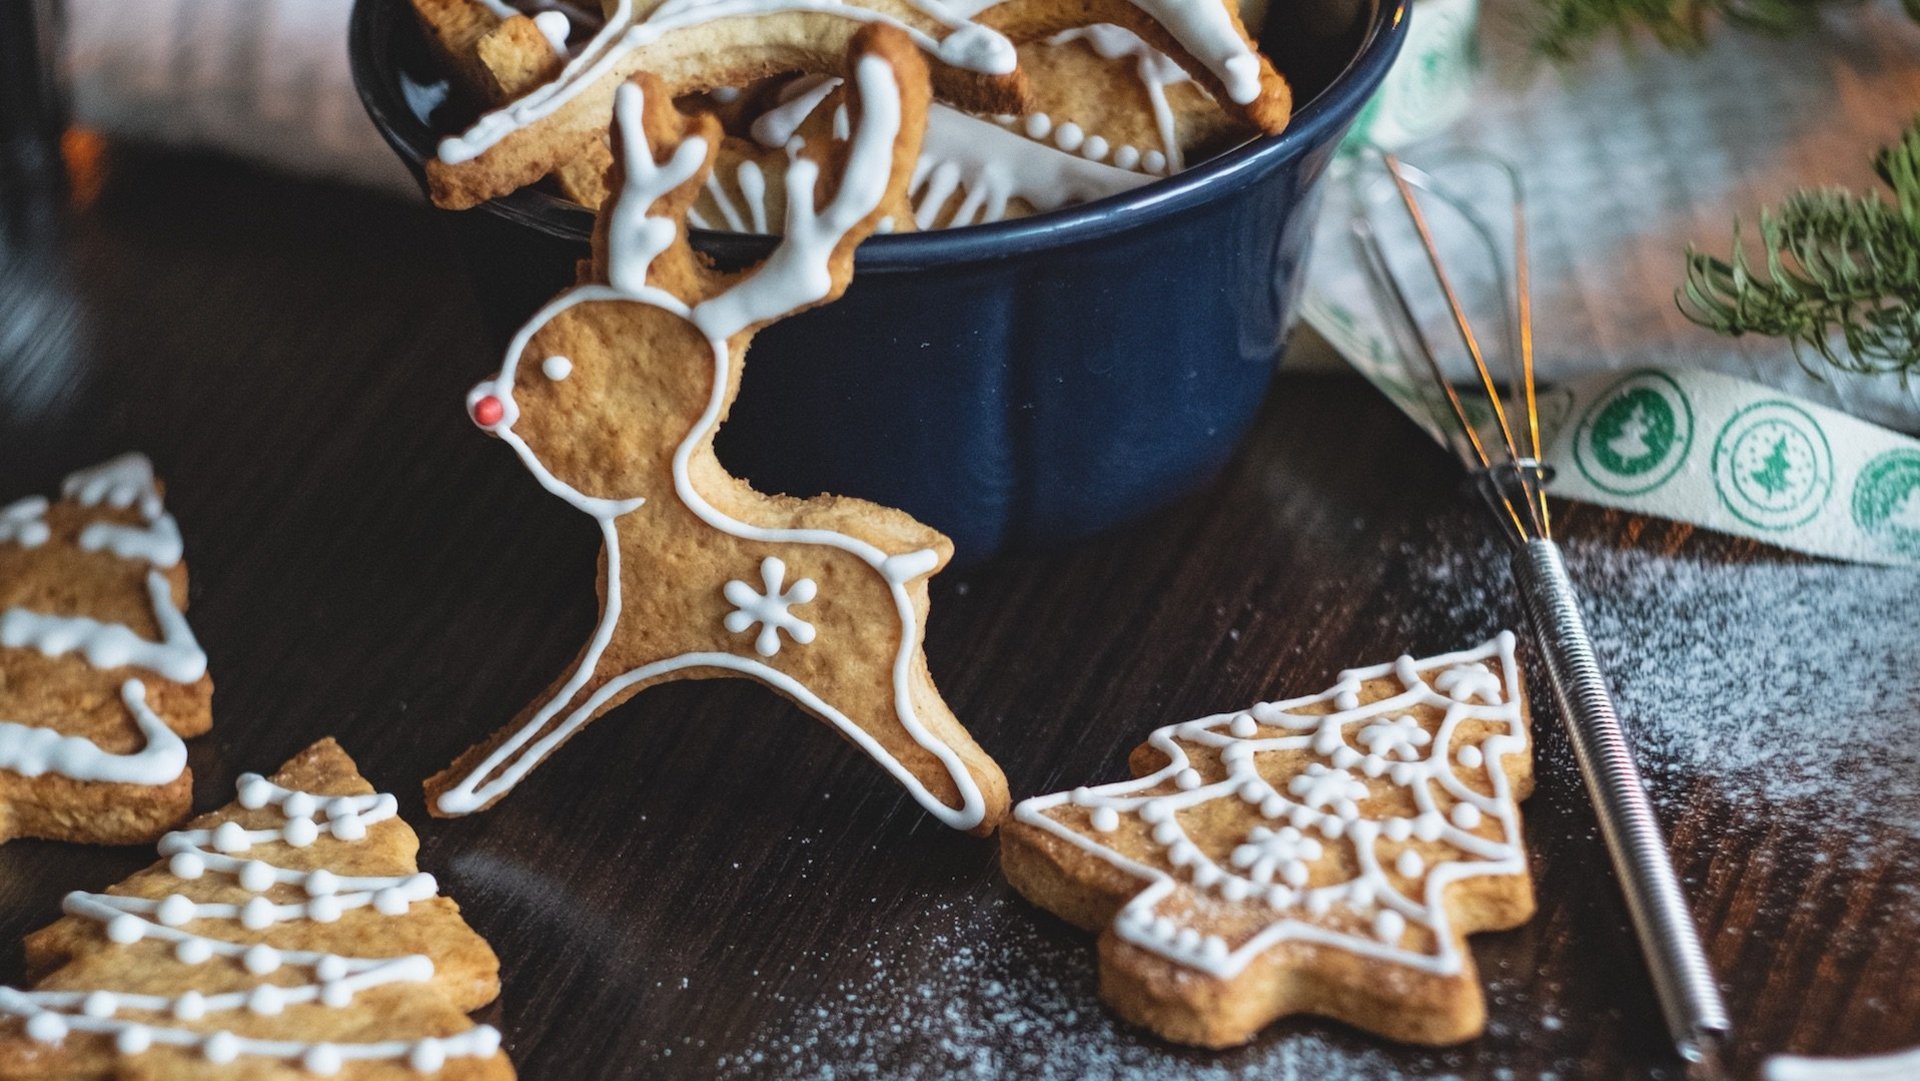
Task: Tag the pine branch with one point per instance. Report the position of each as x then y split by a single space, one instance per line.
1841 278
1569 27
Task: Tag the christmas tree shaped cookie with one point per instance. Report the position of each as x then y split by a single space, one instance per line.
289 934
100 676
1323 855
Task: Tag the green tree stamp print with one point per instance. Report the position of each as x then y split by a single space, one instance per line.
1635 435
1772 466
1886 501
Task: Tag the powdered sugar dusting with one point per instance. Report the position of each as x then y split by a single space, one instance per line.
1013 996
1780 683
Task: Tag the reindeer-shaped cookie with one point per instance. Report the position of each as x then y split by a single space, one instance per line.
611 397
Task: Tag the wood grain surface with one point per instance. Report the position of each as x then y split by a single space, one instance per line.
707 883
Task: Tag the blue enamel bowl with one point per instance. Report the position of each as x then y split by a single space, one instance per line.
1017 384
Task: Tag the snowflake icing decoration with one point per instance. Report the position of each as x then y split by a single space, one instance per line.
772 610
1314 866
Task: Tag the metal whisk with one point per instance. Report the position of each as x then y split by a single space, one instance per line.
1503 454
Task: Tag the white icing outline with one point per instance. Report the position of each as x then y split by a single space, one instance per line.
31 751
50 1015
1370 890
795 275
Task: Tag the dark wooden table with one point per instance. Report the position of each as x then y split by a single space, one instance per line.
707 883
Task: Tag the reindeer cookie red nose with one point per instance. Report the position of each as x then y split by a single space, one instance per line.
487 410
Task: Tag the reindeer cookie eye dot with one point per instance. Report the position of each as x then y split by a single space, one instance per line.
557 368
487 410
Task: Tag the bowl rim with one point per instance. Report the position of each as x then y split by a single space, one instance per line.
1314 124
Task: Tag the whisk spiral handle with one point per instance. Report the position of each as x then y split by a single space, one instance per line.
1696 1016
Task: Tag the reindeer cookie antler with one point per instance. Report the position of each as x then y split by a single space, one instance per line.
612 395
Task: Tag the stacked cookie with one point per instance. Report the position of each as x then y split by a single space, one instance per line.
1039 105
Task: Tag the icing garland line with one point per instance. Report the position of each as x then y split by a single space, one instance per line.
31 751
51 1015
1238 736
793 276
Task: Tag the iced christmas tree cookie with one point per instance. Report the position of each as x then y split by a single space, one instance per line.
289 934
100 676
1326 855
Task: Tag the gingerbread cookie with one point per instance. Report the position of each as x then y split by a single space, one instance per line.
288 934
611 397
1325 855
701 45
1110 113
100 676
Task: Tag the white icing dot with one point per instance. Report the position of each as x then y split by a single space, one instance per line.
1214 949
1388 926
256 876
1332 827
191 1006
220 1048
300 832
99 1004
187 865
1243 727
1429 826
1273 807
193 951
231 837
321 883
331 967
1301 817
427 1056
1005 120
1251 792
1182 854
1465 815
1344 756
1295 872
133 1040
1318 903
1155 811
1279 897
1038 125
1397 829
266 1001
1206 874
299 805
1094 149
1081 796
1469 757
486 1040
341 807
1360 895
1187 778
1127 157
126 929
1373 765
47 1027
257 914
1345 700
323 909
321 1059
556 368
1163 928
255 792
1068 137
336 995
261 959
390 902
421 884
1187 939
175 910
1235 888
1409 864
1105 819
348 828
